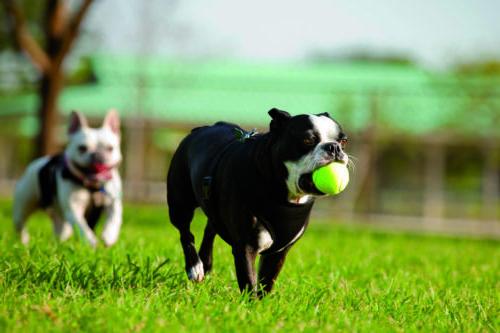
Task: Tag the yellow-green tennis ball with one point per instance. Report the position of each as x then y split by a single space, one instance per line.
332 178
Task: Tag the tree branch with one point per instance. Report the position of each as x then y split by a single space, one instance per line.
24 38
72 32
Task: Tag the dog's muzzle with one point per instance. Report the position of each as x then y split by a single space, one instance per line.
335 152
306 184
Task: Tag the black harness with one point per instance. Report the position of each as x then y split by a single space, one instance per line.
285 221
47 180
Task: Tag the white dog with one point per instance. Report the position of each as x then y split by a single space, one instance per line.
77 186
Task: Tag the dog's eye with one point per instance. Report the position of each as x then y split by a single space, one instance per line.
308 141
109 149
82 149
343 143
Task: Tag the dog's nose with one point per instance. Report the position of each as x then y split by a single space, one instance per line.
335 149
96 157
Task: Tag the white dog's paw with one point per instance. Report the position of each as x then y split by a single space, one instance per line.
110 236
66 232
109 240
25 237
92 240
196 273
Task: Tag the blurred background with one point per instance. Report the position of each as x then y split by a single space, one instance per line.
416 85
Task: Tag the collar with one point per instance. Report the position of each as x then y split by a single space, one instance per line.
91 180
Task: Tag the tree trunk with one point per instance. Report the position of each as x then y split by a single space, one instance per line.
56 17
50 87
60 32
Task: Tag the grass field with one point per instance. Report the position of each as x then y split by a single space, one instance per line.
335 278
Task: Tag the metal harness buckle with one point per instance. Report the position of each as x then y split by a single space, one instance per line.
207 181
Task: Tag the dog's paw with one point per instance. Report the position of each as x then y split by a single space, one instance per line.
109 239
92 241
109 243
66 232
195 273
25 237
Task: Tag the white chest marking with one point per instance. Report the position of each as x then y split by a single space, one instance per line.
264 240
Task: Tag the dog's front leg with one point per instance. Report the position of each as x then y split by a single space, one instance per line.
62 229
269 268
73 203
80 226
112 198
244 261
111 229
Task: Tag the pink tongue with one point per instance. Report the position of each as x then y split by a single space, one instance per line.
98 168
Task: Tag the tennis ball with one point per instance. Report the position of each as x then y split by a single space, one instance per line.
332 178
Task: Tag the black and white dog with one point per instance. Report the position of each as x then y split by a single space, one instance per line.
77 186
256 190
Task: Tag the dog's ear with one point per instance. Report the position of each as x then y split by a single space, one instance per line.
280 118
76 121
324 114
112 120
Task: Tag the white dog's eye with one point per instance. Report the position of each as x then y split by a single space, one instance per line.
109 149
82 149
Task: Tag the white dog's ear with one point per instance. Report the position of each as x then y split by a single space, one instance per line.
112 120
76 121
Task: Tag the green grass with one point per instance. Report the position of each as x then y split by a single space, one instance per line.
335 278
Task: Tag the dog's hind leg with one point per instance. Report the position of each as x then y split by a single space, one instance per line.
181 220
182 203
206 248
26 201
194 265
62 229
27 197
22 210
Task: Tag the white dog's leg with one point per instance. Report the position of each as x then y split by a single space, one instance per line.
26 198
73 201
111 229
62 229
23 208
81 228
67 231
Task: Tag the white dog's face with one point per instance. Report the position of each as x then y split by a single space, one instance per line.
311 142
94 150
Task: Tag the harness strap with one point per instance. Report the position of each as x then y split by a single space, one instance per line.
47 180
207 180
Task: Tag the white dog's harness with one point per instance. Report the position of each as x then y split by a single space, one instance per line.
47 179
